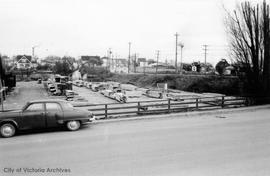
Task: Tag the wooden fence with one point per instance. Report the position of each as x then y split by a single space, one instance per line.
114 110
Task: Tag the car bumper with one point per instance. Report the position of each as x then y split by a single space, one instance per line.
87 121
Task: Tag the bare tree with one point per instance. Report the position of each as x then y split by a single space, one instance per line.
248 27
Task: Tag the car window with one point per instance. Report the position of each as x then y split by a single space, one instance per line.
35 107
53 107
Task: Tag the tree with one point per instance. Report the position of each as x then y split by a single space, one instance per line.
70 61
63 68
187 67
249 31
221 65
43 67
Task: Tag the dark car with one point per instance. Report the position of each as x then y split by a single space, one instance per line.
43 114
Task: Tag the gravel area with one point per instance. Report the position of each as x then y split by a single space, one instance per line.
24 92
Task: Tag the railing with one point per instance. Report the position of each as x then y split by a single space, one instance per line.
114 110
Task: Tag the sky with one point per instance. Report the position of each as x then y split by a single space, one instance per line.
91 27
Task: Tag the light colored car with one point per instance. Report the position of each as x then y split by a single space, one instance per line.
79 83
119 95
89 85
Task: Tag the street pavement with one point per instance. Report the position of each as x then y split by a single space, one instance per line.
231 144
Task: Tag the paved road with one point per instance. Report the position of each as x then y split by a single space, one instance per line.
25 91
236 144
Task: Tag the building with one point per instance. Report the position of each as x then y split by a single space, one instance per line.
91 60
118 66
50 60
23 62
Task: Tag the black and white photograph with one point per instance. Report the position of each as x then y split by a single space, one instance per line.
134 87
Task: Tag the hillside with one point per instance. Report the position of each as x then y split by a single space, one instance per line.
192 83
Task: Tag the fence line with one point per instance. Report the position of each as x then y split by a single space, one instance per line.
113 110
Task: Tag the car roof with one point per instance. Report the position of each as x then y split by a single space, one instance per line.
47 101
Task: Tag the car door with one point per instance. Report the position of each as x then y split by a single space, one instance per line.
33 116
53 113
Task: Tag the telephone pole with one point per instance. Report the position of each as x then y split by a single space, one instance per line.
135 61
129 46
181 65
205 52
33 51
176 43
157 60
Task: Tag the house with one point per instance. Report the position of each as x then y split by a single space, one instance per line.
105 61
118 65
94 60
50 60
159 65
24 62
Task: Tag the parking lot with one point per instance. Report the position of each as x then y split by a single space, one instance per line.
107 107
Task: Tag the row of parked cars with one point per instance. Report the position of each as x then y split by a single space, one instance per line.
56 88
108 89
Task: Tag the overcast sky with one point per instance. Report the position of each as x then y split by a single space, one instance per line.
91 27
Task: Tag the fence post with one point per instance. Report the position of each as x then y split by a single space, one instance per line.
106 111
222 102
197 103
169 105
139 106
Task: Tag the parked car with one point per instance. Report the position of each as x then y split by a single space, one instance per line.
43 114
107 92
95 87
79 83
119 95
52 89
69 94
89 85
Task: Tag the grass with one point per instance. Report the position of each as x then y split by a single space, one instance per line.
192 83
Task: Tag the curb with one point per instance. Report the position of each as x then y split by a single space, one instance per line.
186 114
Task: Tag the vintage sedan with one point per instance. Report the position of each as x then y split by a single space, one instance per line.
43 114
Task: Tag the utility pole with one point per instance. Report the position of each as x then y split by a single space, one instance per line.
129 46
181 66
205 52
109 59
176 43
144 67
134 62
157 61
33 50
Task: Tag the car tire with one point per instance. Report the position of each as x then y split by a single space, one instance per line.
73 125
7 130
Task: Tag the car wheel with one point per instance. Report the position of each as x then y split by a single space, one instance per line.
73 125
7 130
